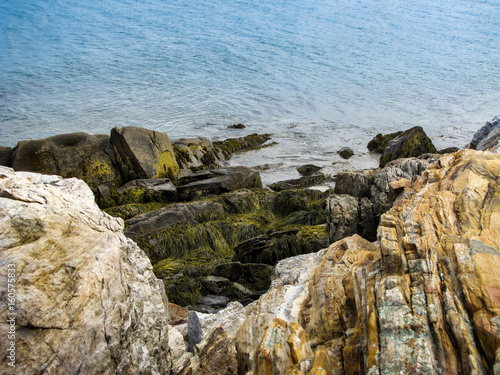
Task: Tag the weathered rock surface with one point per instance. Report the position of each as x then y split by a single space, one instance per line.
218 181
87 300
6 156
424 299
411 143
197 153
345 152
143 153
147 190
308 169
298 183
88 157
488 136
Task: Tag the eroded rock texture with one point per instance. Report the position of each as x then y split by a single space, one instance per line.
423 299
87 300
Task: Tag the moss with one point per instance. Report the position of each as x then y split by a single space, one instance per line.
167 166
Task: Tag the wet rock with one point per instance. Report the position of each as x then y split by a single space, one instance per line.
255 276
81 155
194 330
488 136
6 156
197 153
379 143
143 153
345 152
308 169
231 271
218 181
83 290
173 215
236 126
147 190
411 143
298 183
229 146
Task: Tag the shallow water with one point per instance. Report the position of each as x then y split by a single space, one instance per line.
319 75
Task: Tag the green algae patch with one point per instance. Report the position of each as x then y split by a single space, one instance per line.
167 166
128 211
250 142
380 142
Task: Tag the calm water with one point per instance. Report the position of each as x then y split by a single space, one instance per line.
318 74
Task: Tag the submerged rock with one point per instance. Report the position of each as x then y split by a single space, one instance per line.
411 143
308 169
345 152
488 136
87 300
379 143
414 302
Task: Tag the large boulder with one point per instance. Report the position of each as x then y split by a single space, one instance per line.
488 136
86 298
5 156
143 153
411 143
423 299
81 155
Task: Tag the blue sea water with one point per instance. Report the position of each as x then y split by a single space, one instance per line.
319 74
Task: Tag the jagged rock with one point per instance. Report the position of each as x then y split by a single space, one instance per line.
299 183
488 136
218 181
345 152
411 143
422 299
357 184
81 155
194 330
147 190
308 169
172 215
379 143
143 153
6 156
87 300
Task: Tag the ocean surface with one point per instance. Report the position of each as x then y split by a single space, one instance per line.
319 75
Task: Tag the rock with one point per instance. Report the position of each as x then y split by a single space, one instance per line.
219 181
422 299
178 314
81 155
197 153
488 136
249 142
87 300
147 190
213 301
256 276
236 126
379 143
357 184
6 156
299 183
173 215
411 143
308 169
231 271
194 330
449 150
345 152
143 153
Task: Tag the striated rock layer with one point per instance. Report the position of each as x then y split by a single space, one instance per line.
86 298
423 299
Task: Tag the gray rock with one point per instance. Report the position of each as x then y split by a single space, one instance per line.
298 183
213 301
172 215
357 184
411 143
194 330
87 299
147 190
488 136
218 181
143 153
308 169
342 212
345 152
6 156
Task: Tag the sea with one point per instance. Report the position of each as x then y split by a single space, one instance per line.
318 75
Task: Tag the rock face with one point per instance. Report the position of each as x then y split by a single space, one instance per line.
424 299
411 143
143 153
87 300
81 155
5 156
488 136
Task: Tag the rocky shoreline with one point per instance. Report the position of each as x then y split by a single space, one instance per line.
373 276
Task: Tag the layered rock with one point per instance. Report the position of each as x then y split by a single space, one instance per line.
423 299
87 300
488 136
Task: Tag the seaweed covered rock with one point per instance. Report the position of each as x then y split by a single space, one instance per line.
299 183
197 153
488 136
308 169
143 153
87 300
218 181
88 157
147 190
229 146
345 152
411 143
379 143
